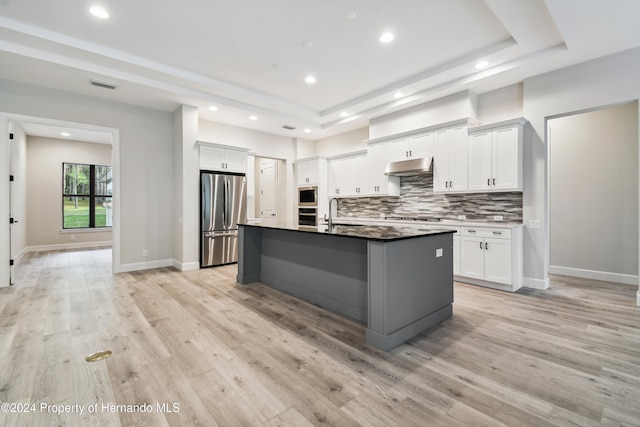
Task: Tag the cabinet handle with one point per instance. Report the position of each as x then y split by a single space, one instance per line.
498 233
489 182
222 165
472 231
486 245
446 184
480 245
494 181
410 153
450 184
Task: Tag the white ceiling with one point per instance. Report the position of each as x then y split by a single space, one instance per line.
247 57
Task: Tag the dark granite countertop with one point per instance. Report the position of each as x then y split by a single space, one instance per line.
367 232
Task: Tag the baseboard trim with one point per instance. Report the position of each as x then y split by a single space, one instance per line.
186 266
20 255
530 282
63 246
627 279
137 266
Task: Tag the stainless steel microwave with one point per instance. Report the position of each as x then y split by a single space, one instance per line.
307 196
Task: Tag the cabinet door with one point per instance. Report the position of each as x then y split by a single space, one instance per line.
235 161
211 158
472 257
497 260
441 161
480 153
505 154
359 176
335 175
458 159
422 145
308 172
399 149
377 158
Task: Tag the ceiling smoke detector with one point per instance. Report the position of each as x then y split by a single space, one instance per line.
104 85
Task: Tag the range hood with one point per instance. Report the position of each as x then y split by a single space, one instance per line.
419 166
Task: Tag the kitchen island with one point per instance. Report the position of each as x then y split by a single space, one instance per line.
398 281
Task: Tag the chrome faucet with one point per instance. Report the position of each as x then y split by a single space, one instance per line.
337 209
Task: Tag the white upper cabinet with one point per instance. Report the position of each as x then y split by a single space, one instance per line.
311 171
412 147
348 176
379 184
225 159
495 158
450 161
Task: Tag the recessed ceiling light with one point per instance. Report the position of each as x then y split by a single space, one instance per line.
307 44
253 117
344 114
482 64
307 130
310 79
386 37
65 134
350 14
98 11
213 108
398 95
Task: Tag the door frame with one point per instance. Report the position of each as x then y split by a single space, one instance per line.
5 168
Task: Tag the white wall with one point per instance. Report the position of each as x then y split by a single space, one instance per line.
304 148
145 156
44 190
343 143
502 104
453 107
19 193
605 81
593 229
186 190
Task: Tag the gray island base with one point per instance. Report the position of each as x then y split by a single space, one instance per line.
399 282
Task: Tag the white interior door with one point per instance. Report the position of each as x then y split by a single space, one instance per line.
268 192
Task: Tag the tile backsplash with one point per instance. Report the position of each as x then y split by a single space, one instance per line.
417 199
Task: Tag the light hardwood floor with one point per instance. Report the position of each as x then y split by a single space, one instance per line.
233 355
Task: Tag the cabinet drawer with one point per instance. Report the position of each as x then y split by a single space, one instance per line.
496 233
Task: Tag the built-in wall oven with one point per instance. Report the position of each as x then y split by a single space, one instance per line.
308 217
307 196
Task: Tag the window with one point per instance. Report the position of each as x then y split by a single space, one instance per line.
86 196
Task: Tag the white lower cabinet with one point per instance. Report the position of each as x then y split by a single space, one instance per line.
491 257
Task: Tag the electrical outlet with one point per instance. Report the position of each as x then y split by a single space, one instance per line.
438 252
534 224
498 217
145 252
462 217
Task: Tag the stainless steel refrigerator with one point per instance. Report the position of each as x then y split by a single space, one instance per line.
223 205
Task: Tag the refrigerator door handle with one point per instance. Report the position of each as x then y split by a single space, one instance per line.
227 205
225 195
218 234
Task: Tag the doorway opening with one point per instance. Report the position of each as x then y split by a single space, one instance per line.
593 194
270 190
39 132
